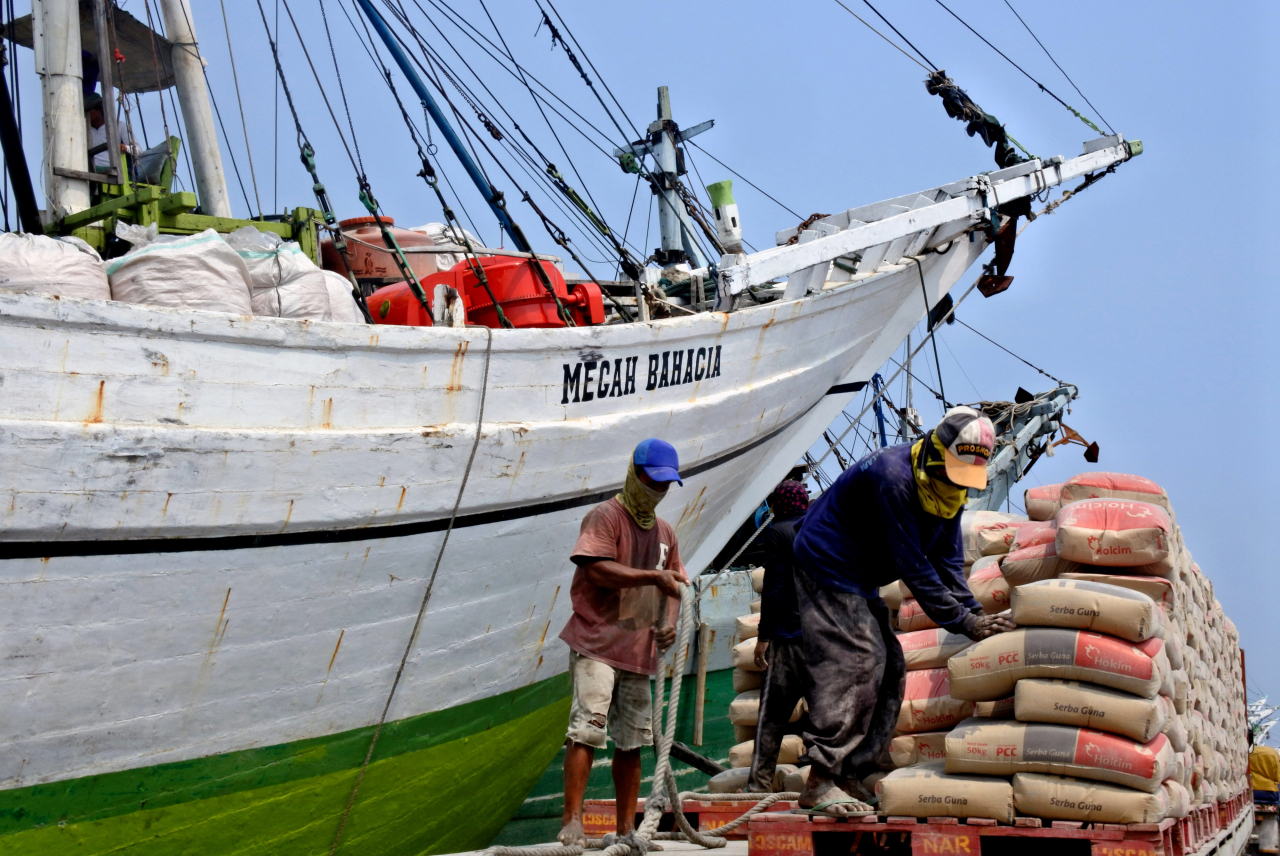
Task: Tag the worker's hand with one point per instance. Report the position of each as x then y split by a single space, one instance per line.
664 637
670 582
762 646
990 625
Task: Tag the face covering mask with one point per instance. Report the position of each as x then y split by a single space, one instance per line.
639 499
938 496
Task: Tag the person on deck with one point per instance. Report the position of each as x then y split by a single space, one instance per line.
626 598
895 514
101 162
778 649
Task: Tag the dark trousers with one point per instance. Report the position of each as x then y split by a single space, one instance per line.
856 672
785 683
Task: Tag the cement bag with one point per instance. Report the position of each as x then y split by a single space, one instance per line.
1179 799
193 272
1033 564
757 580
744 680
747 626
64 267
894 594
995 748
745 709
1001 708
1113 486
1066 798
911 616
743 733
1115 533
1084 605
342 305
796 781
788 753
1042 503
285 283
1089 706
974 522
927 704
989 587
996 538
731 781
744 656
755 606
930 649
1157 588
991 667
1173 727
1033 535
906 750
925 790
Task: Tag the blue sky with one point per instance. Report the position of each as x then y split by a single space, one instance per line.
1151 291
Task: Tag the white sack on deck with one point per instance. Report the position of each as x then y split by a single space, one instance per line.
64 267
190 272
285 283
342 306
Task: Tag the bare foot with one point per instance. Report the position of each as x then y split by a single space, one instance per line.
822 789
571 834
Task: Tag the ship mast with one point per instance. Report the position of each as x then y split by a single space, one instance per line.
193 96
56 39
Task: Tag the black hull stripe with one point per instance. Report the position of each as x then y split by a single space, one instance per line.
49 549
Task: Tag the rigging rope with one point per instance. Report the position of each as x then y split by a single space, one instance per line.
896 30
1043 88
747 180
882 35
244 126
1012 354
927 309
1060 68
426 597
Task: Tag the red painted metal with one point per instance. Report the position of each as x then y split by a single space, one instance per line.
785 834
599 817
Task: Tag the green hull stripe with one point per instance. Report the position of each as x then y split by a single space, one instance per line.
91 798
449 797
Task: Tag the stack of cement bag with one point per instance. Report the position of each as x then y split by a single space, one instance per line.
919 786
1125 673
744 710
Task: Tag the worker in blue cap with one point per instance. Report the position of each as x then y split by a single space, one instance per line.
626 596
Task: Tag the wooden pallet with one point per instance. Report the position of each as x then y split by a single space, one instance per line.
599 817
779 834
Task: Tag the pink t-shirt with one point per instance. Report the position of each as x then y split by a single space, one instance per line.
615 626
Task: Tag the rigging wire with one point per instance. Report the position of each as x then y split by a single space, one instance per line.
524 159
1012 354
927 309
585 56
883 36
320 86
342 92
745 179
1060 68
235 166
899 32
244 126
1043 88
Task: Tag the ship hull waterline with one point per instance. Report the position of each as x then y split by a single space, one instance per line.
220 530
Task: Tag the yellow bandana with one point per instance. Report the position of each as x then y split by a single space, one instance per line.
939 498
639 499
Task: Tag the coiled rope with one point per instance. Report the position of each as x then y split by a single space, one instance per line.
664 790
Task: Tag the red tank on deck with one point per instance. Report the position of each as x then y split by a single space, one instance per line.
517 287
373 262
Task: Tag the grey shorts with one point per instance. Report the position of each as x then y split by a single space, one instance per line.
609 702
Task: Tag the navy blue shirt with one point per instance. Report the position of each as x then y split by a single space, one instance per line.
779 614
869 529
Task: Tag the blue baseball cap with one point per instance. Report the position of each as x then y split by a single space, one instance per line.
658 459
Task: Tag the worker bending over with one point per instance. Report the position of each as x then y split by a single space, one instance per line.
778 649
626 597
893 515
